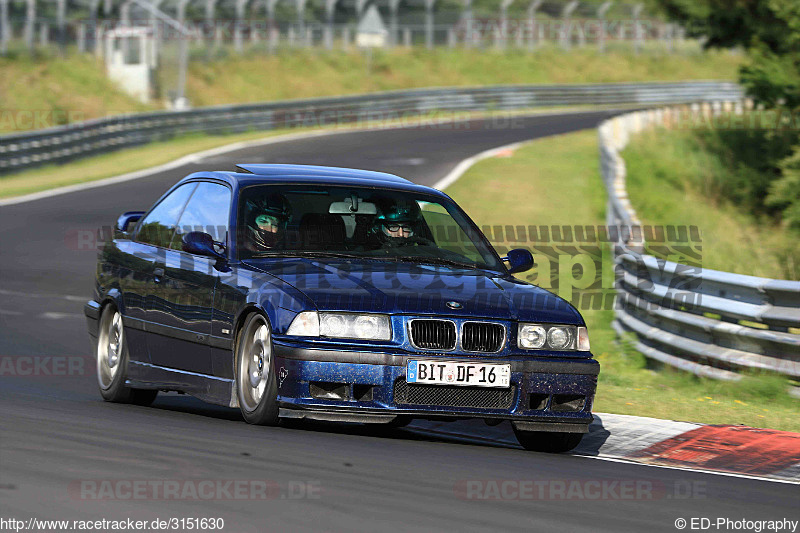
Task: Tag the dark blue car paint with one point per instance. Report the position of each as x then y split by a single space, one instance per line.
181 314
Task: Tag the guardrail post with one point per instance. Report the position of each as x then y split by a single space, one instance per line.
566 21
601 18
5 27
429 5
533 7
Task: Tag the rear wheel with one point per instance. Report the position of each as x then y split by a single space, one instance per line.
112 362
544 441
255 375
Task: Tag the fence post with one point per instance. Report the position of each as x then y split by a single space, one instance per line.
44 34
566 21
237 30
61 23
601 18
5 27
467 20
30 20
330 9
394 6
504 5
637 29
532 23
429 5
271 37
300 6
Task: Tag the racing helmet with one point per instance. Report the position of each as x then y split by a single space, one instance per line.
397 223
267 219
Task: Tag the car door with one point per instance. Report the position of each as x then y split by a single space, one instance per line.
181 320
138 277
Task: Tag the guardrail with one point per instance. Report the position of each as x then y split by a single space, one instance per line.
704 321
58 145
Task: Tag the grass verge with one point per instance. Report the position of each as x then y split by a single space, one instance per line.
67 90
688 169
556 180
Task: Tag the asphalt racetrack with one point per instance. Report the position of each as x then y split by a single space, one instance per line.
61 445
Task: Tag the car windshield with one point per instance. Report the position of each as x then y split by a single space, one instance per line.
336 221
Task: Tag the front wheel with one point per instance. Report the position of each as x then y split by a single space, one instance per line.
255 376
549 442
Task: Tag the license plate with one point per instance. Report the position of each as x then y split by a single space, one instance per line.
459 373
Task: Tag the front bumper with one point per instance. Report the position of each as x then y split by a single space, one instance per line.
368 386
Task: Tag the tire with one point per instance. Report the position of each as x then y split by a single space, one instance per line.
112 362
549 442
256 383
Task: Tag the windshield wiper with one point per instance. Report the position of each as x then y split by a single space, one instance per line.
439 261
307 253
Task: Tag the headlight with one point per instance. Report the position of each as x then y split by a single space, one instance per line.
552 337
341 325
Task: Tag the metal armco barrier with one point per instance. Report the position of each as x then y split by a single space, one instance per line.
75 141
700 320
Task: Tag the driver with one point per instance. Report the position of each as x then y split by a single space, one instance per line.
397 224
267 217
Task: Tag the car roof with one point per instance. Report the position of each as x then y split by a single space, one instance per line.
256 174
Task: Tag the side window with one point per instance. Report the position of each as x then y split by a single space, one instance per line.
159 225
207 211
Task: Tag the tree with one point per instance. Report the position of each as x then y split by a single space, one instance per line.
769 32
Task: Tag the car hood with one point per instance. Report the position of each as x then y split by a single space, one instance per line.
373 286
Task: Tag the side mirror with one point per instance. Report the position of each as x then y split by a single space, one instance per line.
519 260
199 243
126 220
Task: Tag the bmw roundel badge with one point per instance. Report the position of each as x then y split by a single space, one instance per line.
454 305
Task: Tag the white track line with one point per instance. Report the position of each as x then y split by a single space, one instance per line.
465 165
614 459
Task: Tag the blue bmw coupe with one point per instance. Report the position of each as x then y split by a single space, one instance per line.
294 291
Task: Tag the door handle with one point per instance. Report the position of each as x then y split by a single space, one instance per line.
157 274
